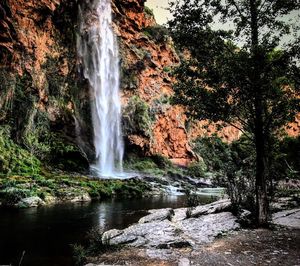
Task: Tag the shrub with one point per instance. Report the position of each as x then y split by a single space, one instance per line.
94 237
148 11
13 158
11 196
196 169
136 118
159 33
79 255
161 161
286 158
232 166
215 153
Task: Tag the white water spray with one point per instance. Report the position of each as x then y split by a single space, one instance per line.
97 48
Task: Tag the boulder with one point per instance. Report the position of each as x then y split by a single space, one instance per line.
218 206
158 231
179 214
289 218
152 234
207 227
30 202
84 197
158 215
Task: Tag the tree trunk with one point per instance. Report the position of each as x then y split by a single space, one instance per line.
262 209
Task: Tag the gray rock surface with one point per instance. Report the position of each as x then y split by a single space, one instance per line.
157 231
205 228
84 197
157 215
214 207
290 218
30 202
179 214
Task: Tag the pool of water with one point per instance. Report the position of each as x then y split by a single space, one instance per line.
46 233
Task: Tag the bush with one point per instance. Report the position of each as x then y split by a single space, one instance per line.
11 196
14 159
79 255
159 33
94 237
161 161
148 11
232 166
286 159
196 169
136 118
215 153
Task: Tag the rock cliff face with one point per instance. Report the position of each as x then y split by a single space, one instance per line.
41 90
38 52
148 55
41 80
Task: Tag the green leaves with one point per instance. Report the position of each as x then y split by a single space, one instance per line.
217 80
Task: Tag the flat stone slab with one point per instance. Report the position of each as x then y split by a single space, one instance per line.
290 218
214 207
158 231
159 215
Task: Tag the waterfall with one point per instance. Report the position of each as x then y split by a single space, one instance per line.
98 51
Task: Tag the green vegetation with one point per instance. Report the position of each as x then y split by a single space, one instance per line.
286 158
7 88
93 246
148 11
27 139
156 165
232 166
136 118
79 255
229 165
251 85
66 188
158 33
129 74
167 69
14 159
160 105
196 169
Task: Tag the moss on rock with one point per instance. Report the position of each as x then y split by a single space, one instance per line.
14 159
136 117
61 188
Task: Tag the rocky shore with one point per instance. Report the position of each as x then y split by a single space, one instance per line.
28 192
184 227
204 235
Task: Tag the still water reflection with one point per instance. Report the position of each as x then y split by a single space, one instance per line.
46 233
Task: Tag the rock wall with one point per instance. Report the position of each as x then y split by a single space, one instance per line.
41 90
148 56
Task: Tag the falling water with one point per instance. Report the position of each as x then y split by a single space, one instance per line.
98 50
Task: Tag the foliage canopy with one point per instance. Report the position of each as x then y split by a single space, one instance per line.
241 75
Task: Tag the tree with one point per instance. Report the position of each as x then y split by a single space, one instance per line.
239 76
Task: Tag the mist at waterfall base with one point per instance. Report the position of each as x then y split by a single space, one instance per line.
98 51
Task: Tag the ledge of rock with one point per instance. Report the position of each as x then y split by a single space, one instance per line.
289 218
158 215
214 207
30 202
167 228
